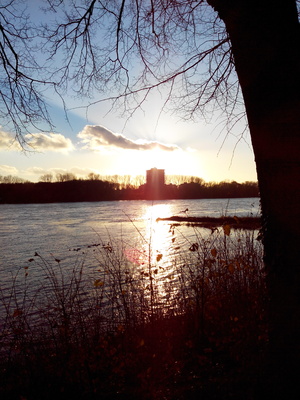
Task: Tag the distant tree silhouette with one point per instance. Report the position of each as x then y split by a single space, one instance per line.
11 179
20 191
68 176
93 177
53 192
46 178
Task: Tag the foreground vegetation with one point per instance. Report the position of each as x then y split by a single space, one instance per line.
191 328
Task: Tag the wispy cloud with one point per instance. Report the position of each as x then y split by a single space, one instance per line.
96 136
78 171
49 142
8 170
8 141
36 171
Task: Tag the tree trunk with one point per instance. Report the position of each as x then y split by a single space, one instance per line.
265 38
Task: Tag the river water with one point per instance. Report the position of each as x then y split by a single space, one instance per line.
68 234
56 229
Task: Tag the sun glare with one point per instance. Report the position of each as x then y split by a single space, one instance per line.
153 256
158 247
157 233
177 162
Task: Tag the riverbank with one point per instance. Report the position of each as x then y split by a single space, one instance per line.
96 190
211 222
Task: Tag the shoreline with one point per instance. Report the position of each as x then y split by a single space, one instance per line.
214 222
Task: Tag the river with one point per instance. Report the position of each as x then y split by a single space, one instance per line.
68 234
58 228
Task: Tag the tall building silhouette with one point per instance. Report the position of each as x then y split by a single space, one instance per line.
155 183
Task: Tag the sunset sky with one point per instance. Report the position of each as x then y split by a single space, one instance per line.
109 144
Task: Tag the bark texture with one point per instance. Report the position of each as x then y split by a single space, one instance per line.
265 38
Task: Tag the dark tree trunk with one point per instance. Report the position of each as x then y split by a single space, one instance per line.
265 38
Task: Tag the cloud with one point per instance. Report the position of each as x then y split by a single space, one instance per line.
37 141
8 141
96 136
49 142
8 170
78 171
36 171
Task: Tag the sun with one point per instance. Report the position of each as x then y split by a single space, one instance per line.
176 162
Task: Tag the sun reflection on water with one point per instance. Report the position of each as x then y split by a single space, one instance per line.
156 258
157 233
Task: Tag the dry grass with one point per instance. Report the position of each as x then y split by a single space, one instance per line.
120 331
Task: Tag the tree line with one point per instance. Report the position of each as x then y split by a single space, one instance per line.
102 190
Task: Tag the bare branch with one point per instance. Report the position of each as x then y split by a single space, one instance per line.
118 51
